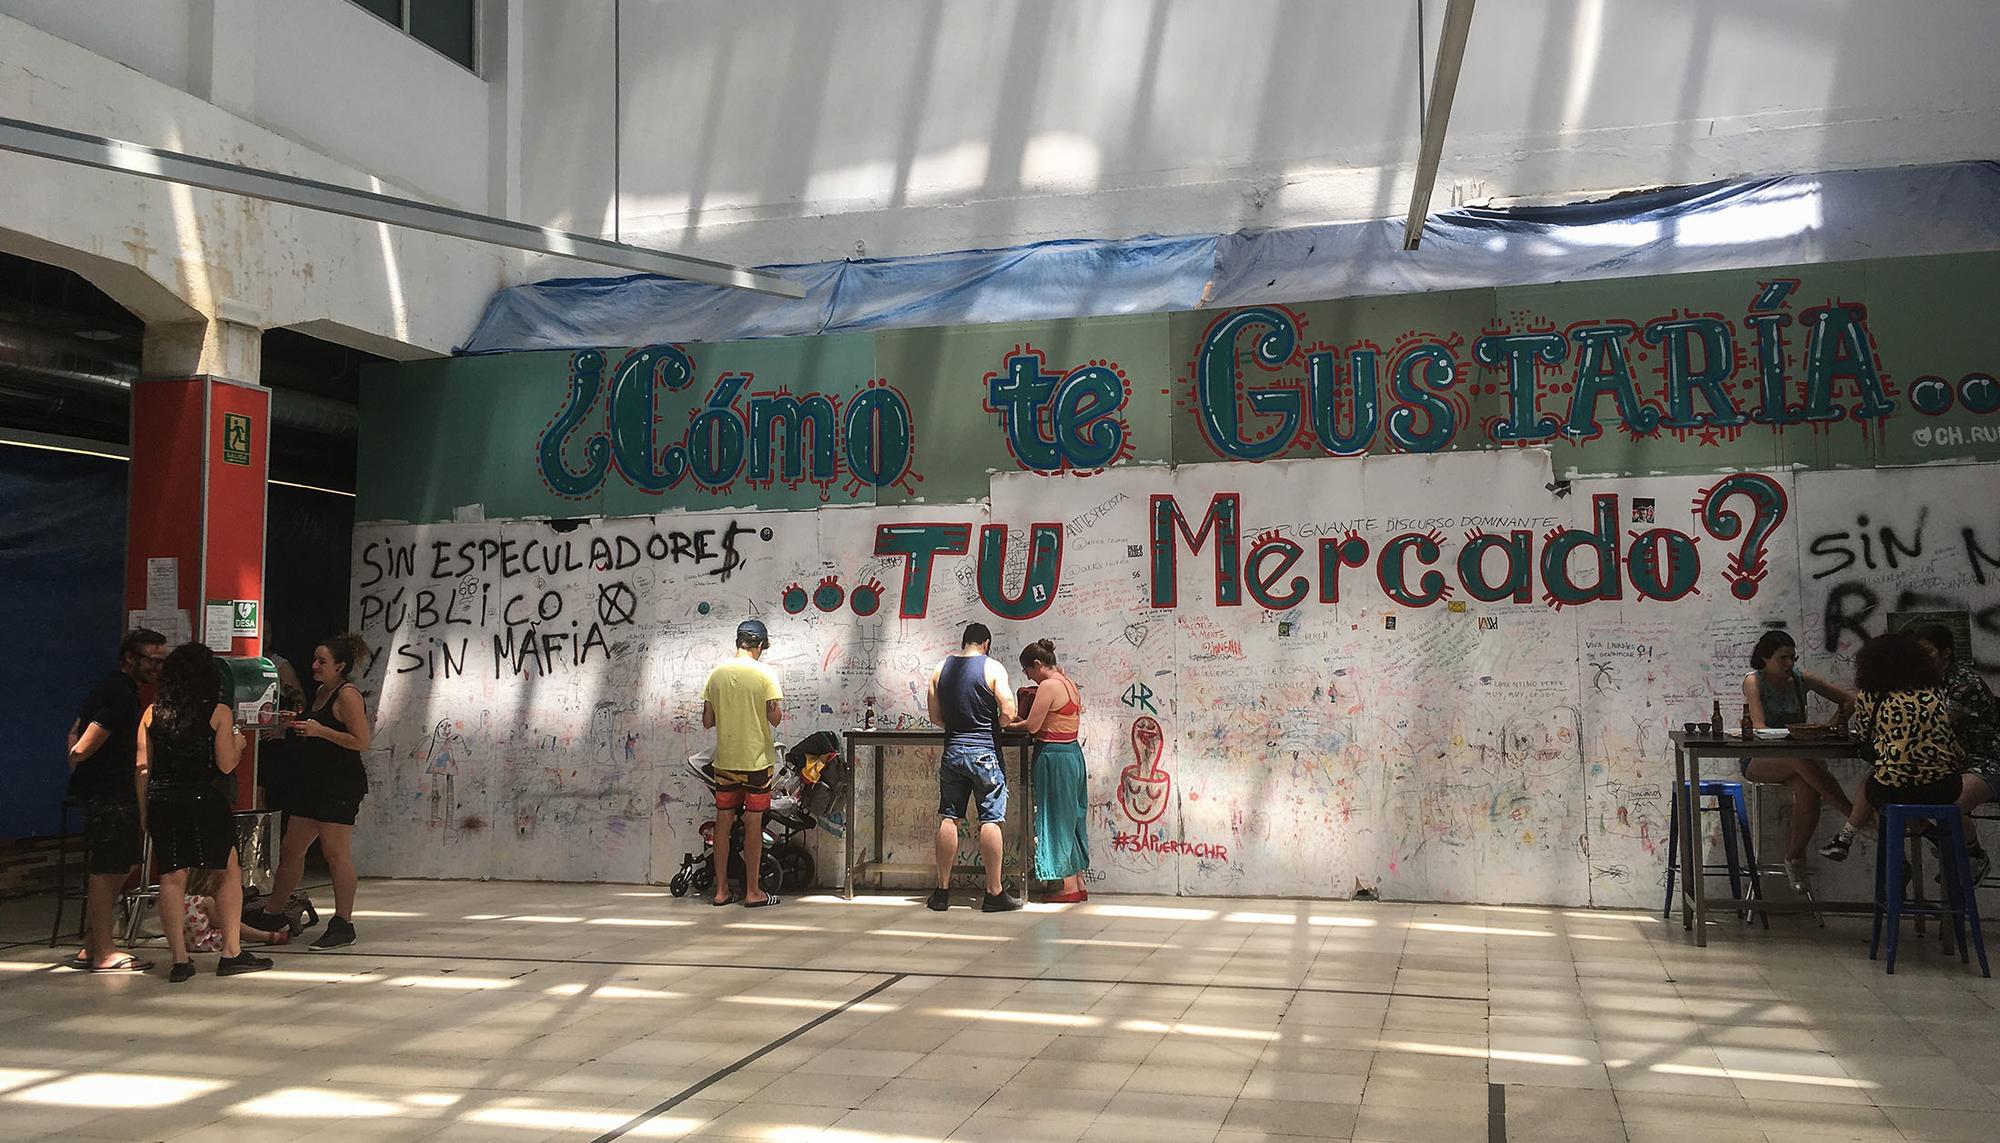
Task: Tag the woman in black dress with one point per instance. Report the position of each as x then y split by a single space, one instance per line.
187 742
328 783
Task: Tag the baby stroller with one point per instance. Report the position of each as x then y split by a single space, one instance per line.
806 777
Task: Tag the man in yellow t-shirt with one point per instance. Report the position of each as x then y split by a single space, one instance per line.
740 700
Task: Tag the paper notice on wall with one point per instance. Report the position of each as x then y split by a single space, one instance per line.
171 622
163 583
218 627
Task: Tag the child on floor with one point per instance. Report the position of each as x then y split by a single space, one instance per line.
203 934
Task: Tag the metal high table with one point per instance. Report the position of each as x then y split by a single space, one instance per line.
1020 804
1689 750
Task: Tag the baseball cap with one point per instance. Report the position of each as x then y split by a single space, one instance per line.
752 629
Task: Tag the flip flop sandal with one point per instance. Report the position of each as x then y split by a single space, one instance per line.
760 904
718 904
80 963
125 963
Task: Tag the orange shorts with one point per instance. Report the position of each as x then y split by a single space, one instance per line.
738 790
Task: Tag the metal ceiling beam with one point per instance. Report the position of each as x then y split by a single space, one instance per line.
231 178
1444 84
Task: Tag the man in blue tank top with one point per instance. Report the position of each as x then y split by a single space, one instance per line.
970 698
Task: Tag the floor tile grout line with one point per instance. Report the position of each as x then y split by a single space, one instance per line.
360 954
721 1074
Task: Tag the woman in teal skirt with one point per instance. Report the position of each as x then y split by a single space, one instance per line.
1062 851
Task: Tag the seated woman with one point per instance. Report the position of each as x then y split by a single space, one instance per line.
1900 716
1975 719
1775 694
1062 798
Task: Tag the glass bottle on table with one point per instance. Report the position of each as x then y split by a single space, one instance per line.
1715 719
1749 730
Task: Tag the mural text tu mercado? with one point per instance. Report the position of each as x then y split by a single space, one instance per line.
1658 563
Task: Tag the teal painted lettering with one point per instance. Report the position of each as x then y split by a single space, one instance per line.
1089 433
1677 337
1663 564
1601 368
1520 354
715 438
1440 420
1039 583
878 436
1362 399
1518 581
1260 579
586 381
1774 406
635 417
810 438
1431 586
920 545
1217 387
1221 524
1559 588
1836 347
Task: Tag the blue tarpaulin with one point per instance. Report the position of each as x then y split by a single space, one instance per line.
1790 220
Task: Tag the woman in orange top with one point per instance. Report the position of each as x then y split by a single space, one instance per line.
1062 850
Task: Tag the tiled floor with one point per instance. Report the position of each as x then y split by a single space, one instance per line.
518 1013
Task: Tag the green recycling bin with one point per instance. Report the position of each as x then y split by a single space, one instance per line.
250 688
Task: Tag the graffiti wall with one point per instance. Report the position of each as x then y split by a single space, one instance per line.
1400 595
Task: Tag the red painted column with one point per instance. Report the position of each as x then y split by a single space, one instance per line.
200 460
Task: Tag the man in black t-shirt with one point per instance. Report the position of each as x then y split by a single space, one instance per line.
103 749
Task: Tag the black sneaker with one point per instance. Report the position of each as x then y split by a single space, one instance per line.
240 963
999 903
1836 850
940 900
181 973
339 931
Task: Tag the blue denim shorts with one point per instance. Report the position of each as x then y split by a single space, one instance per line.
969 772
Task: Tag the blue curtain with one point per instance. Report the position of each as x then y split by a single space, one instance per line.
62 574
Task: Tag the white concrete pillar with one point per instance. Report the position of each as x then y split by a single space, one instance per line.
213 348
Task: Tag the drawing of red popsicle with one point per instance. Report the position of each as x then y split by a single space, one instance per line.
1143 787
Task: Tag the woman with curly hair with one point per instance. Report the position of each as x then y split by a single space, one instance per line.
1901 719
328 784
1975 718
187 742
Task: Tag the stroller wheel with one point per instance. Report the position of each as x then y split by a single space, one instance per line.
798 871
772 876
703 878
679 885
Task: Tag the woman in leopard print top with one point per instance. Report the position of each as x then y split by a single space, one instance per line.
1901 715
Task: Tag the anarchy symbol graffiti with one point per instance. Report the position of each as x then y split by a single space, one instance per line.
615 603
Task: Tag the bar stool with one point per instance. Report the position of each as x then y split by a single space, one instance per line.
1990 812
1735 812
146 892
1960 904
65 892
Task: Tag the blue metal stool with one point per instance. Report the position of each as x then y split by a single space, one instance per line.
1728 795
1960 902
